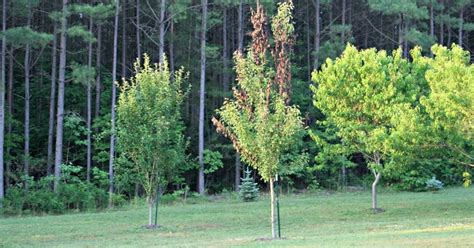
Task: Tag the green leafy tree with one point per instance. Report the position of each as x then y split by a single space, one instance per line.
368 98
258 120
150 129
450 102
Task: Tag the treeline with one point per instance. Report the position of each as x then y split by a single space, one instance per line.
60 58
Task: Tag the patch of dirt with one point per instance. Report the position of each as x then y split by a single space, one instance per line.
269 239
377 210
151 226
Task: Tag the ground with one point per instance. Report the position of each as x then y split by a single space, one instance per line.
442 219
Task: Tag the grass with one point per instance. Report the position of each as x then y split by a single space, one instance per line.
443 219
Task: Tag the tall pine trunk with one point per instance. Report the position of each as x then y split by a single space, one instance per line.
138 33
317 37
124 39
461 23
98 83
10 115
60 113
52 101
202 97
240 28
89 108
114 93
26 65
2 98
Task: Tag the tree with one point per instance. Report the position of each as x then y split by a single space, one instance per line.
258 120
202 95
450 102
2 98
60 112
367 98
112 121
150 129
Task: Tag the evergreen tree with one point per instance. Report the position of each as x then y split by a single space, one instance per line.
248 190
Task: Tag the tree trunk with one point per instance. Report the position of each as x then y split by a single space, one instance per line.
26 152
202 97
240 28
2 99
374 190
97 68
343 22
441 27
225 56
400 31
272 206
308 45
461 21
89 109
171 47
52 101
317 37
138 33
114 93
237 171
162 31
150 212
10 114
124 39
60 113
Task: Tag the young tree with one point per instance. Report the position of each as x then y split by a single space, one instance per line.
150 129
367 98
258 120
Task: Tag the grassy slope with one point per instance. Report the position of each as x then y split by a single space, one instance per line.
444 219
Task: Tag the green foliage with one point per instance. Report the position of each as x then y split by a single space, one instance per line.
79 31
257 120
73 194
450 103
212 160
248 190
467 178
22 36
367 98
82 74
149 125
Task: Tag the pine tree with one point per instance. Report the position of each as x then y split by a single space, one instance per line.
248 189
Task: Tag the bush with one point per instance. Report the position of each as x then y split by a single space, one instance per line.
248 189
73 193
433 184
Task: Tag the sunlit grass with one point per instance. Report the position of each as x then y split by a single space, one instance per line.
444 219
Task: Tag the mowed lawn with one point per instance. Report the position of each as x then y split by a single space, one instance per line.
443 219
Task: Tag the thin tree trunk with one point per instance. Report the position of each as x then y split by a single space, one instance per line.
10 114
150 213
374 190
461 21
98 83
343 35
441 27
432 25
400 31
202 97
240 28
52 101
137 30
89 109
114 93
162 31
171 47
26 152
272 206
308 45
238 165
60 113
225 55
2 99
317 37
124 39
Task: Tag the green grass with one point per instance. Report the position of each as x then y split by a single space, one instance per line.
443 219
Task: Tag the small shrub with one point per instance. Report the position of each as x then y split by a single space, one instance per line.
433 184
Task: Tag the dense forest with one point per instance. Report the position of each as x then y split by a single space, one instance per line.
60 59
